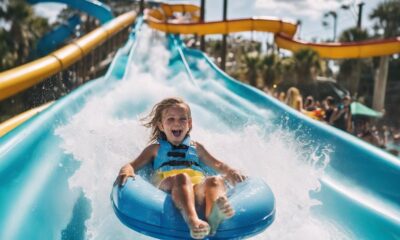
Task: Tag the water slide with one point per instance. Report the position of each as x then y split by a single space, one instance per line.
57 36
93 8
57 168
284 31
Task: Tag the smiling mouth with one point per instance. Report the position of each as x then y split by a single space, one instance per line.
176 133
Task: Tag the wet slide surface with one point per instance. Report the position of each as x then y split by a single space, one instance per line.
57 169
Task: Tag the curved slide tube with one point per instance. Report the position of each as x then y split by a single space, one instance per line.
264 24
284 32
169 9
12 123
362 49
57 36
92 7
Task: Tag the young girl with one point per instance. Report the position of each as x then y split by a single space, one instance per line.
176 162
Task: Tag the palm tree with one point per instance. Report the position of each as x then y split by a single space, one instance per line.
307 65
288 70
17 39
387 15
7 59
271 69
252 61
23 33
350 69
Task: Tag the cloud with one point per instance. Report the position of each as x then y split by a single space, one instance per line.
49 10
312 9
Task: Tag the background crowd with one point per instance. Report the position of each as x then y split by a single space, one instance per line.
338 114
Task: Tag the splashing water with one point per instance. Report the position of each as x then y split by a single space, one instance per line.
106 134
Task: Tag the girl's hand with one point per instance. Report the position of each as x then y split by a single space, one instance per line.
125 172
235 176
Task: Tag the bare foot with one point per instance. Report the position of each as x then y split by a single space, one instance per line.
220 211
199 229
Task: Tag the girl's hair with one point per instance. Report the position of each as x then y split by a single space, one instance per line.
293 97
155 116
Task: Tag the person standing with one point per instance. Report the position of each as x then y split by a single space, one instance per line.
341 116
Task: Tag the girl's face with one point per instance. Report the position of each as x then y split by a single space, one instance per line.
175 123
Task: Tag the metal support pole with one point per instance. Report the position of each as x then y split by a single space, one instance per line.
298 23
334 26
202 14
223 54
334 15
359 19
141 7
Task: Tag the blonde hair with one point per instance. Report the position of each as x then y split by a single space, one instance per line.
294 99
155 116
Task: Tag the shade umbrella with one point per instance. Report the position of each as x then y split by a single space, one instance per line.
362 110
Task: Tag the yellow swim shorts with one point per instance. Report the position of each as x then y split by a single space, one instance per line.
195 176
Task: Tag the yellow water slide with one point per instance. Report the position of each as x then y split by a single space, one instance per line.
20 78
163 19
361 49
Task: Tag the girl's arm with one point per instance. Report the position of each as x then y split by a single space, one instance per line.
232 175
128 170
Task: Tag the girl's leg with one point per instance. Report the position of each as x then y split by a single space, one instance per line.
217 207
183 196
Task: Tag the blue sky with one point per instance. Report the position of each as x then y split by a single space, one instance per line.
310 12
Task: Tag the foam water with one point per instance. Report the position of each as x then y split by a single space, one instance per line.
107 133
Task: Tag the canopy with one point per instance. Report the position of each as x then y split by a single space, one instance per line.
362 110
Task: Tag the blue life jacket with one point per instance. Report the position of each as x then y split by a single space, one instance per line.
171 157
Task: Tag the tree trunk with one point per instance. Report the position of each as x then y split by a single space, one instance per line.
354 80
252 77
380 84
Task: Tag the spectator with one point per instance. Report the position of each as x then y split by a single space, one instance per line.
367 133
396 138
309 104
341 116
267 91
313 109
294 99
394 152
282 96
328 106
385 134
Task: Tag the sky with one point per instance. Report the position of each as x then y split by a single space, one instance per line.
309 12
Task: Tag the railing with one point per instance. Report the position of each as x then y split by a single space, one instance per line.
54 75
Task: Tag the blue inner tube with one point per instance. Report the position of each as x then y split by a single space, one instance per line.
148 210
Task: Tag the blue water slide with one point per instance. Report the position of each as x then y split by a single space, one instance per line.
53 39
93 8
57 36
35 199
360 188
57 169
